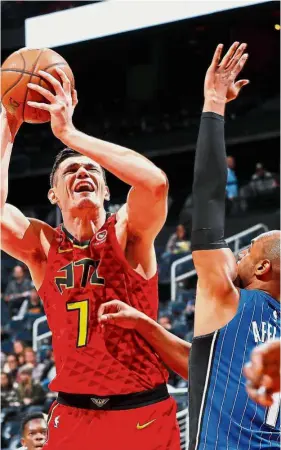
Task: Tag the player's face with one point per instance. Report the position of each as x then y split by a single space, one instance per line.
247 263
35 434
79 184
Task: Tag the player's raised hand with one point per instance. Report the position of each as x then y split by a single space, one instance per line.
263 372
220 81
118 313
60 105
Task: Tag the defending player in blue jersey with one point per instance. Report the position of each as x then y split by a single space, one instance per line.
237 305
238 302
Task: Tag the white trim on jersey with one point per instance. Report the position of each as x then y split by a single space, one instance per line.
205 388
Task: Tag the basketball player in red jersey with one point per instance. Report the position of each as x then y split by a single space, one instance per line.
111 385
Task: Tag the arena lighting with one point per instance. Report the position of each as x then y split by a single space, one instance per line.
115 16
277 27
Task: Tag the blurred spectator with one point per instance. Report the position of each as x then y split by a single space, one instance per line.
33 431
35 304
17 290
3 360
262 181
19 347
11 366
9 395
165 322
231 184
177 246
30 392
178 241
31 359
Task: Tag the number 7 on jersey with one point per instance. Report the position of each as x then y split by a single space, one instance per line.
83 316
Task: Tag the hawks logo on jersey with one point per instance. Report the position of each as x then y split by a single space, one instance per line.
70 273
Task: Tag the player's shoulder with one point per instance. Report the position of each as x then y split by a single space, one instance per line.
45 233
42 227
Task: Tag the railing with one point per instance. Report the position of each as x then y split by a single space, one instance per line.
236 239
35 336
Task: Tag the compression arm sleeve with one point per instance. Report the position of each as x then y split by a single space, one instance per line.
209 184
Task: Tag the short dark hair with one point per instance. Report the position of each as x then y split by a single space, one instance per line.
28 417
65 154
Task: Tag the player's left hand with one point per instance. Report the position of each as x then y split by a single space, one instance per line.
263 373
220 80
118 313
61 104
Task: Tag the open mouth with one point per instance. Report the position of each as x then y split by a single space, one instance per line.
84 187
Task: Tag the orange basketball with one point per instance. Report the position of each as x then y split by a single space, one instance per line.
22 67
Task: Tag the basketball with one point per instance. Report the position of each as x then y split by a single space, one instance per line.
21 68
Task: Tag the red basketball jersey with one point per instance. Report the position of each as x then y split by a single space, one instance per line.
91 359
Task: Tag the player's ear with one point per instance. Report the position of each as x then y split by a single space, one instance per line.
262 268
107 194
52 196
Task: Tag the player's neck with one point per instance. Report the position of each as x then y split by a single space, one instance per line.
83 228
271 288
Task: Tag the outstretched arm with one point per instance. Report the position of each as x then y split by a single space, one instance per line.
173 351
149 184
215 263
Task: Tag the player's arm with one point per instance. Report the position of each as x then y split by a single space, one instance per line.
173 351
147 201
20 237
214 262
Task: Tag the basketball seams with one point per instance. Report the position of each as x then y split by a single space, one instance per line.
24 72
16 82
33 70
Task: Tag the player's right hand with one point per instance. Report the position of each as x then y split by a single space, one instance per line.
118 313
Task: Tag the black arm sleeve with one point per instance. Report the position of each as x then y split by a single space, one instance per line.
209 184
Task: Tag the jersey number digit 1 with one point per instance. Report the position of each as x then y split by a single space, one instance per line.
273 411
83 308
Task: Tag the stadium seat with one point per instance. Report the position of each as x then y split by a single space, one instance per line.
9 430
5 317
24 335
7 346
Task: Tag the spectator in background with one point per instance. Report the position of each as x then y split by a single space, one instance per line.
177 246
178 241
11 366
33 431
165 322
9 395
262 181
31 359
17 290
29 391
19 347
231 184
35 305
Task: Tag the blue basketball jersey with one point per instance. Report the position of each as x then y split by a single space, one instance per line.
221 414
